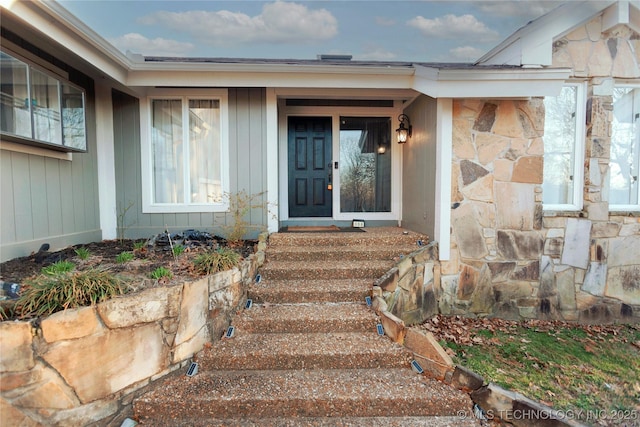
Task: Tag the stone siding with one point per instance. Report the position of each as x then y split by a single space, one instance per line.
79 366
509 257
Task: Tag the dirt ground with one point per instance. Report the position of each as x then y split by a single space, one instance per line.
103 255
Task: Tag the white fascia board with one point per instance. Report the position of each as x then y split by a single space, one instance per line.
492 83
56 23
555 23
270 77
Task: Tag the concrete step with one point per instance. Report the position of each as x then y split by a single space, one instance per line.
299 270
298 393
295 318
305 291
304 351
338 253
373 237
455 421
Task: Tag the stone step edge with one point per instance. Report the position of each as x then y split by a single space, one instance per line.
495 402
462 420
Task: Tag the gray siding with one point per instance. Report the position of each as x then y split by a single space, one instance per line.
47 200
419 168
247 134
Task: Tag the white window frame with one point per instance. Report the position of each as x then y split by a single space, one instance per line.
33 63
148 205
625 207
579 153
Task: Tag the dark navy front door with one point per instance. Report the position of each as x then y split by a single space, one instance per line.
310 167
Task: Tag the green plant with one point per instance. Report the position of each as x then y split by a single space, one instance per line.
58 267
82 253
214 261
138 245
240 205
177 250
121 220
161 272
46 294
124 256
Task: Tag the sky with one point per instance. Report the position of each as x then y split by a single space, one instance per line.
389 30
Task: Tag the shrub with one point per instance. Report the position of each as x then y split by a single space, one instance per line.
82 253
58 267
124 257
214 261
46 294
240 206
161 272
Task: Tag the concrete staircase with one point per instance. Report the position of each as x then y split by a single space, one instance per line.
308 352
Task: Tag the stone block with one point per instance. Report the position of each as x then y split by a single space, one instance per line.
576 243
530 271
483 299
186 348
515 205
12 416
424 344
507 122
528 170
376 291
121 359
378 304
16 353
406 280
501 271
466 380
46 390
468 233
528 413
404 265
624 251
148 306
433 369
512 290
467 282
519 245
194 311
480 190
70 324
393 327
389 282
566 289
495 400
623 283
220 280
595 279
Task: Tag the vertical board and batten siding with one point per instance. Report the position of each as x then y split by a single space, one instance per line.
247 169
49 200
419 168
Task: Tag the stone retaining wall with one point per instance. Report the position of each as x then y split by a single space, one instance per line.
79 366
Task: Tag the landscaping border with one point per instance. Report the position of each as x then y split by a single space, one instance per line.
79 366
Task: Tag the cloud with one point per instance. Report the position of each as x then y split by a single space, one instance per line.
520 8
464 27
279 22
465 53
375 54
138 43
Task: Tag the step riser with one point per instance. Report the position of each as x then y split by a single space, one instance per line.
282 296
202 408
309 326
342 240
322 274
355 255
281 362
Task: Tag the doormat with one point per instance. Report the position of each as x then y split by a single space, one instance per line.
321 229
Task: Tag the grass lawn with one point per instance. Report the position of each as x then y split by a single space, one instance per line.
593 371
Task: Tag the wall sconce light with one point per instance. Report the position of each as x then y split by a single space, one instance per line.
382 149
404 132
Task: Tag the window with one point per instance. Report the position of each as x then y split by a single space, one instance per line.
564 149
365 164
625 150
184 153
40 109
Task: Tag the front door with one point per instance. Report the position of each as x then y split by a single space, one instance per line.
310 167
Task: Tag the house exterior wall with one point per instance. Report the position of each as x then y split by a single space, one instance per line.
47 197
248 169
419 167
509 257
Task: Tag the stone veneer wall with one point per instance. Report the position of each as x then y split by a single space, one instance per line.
82 365
511 259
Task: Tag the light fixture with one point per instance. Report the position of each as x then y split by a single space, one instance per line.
404 132
382 149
